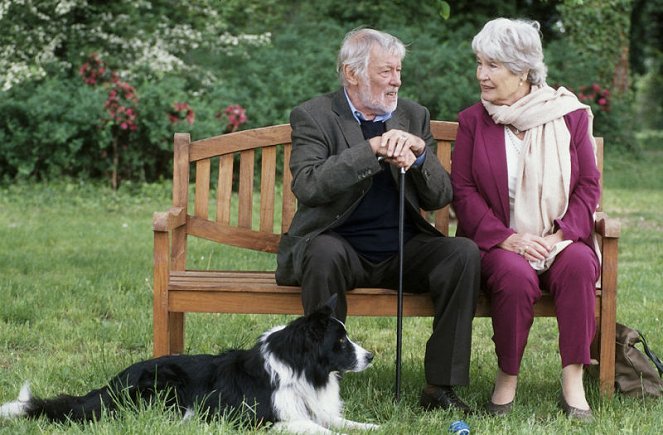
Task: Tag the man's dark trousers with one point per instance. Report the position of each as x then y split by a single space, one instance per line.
447 267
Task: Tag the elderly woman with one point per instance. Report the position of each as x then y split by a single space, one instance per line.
526 187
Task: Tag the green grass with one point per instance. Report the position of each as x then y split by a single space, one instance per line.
75 292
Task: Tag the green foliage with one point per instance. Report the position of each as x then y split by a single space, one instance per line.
51 128
273 79
596 36
56 127
267 56
439 68
649 91
646 36
598 33
646 56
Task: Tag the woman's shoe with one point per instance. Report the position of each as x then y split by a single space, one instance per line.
582 415
498 410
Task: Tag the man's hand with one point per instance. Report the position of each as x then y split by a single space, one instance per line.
398 147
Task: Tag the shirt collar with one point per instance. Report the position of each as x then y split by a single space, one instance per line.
360 117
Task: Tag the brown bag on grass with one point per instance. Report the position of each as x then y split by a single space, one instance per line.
634 373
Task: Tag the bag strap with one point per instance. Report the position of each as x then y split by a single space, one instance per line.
652 356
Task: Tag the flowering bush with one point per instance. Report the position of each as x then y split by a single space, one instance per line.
121 105
180 112
236 115
94 71
121 102
595 95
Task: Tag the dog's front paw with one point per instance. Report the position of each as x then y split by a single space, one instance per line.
365 426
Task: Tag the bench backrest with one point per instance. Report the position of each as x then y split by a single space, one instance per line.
235 188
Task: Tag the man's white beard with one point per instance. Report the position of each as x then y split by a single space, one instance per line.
375 103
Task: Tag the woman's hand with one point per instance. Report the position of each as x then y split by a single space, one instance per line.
529 246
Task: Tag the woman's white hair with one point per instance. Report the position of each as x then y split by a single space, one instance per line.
516 43
356 50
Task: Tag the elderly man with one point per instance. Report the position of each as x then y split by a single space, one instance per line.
347 149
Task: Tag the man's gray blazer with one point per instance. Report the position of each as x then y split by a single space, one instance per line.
332 167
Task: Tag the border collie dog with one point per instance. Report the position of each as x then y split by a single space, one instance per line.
290 378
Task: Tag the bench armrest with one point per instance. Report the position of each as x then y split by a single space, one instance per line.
168 220
607 227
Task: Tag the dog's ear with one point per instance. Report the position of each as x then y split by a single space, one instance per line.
326 310
317 323
331 302
319 319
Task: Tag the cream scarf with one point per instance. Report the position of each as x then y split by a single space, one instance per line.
544 177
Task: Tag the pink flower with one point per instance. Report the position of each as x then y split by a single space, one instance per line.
236 115
93 71
181 111
120 105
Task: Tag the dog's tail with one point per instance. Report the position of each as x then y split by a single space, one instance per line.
60 408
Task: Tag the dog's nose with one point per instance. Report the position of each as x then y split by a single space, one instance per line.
369 357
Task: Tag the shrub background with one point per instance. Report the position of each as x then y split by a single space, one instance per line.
269 56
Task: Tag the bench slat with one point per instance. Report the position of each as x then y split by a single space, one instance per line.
244 287
233 236
267 183
224 189
246 165
202 188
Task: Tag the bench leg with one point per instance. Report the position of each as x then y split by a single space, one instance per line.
608 321
162 323
176 321
161 331
606 352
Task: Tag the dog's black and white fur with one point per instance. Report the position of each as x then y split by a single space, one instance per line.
289 378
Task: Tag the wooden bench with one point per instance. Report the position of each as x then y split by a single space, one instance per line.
256 161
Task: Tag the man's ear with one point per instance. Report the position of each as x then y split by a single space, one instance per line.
350 75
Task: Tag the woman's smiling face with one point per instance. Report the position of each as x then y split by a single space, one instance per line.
498 84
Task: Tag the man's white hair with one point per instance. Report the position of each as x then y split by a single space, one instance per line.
356 49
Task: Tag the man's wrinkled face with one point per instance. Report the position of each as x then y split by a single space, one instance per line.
377 92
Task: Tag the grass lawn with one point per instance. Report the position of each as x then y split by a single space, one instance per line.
76 294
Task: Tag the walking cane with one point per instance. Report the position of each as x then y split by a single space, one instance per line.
399 309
